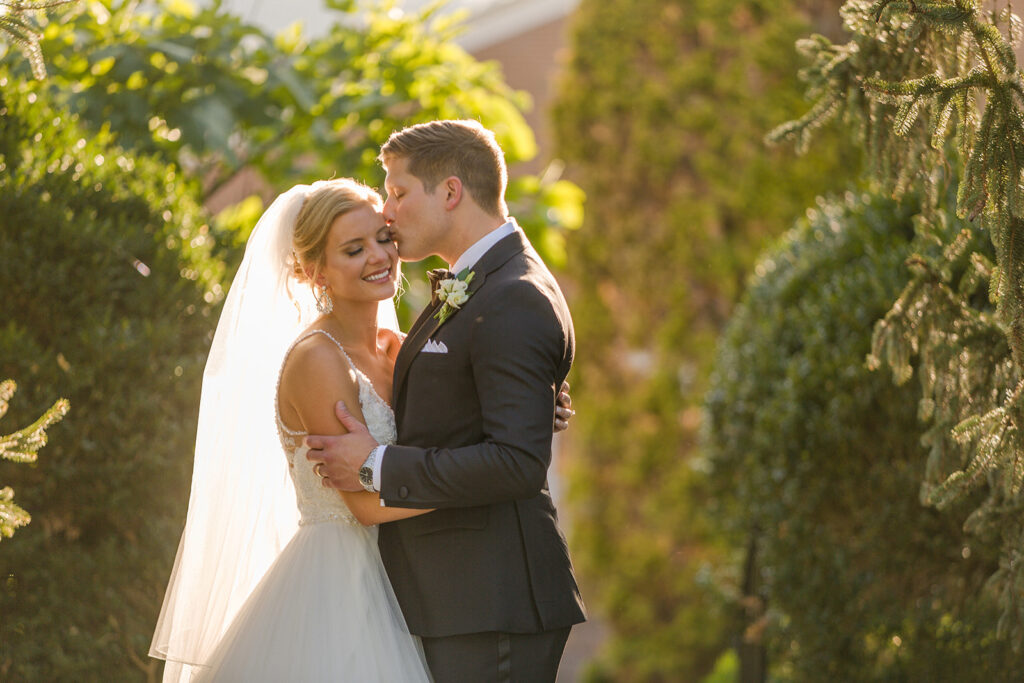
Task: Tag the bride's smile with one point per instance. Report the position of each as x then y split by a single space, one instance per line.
378 276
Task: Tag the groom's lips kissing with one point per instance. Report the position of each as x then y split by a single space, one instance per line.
379 276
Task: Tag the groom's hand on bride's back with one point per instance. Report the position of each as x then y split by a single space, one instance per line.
341 456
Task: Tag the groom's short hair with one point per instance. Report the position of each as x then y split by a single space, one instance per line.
462 148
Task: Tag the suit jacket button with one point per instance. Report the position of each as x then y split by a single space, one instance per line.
403 492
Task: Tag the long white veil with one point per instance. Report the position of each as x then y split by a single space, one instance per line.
242 508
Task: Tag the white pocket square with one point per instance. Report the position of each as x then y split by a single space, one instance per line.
434 347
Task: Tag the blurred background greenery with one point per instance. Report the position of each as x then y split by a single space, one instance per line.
755 491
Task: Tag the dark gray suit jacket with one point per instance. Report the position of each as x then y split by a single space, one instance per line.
474 426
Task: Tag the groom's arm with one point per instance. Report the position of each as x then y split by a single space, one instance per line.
519 352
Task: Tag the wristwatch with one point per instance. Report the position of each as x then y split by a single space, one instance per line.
366 471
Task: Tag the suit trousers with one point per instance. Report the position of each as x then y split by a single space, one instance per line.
495 656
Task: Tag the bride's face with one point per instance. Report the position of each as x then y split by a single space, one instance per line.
360 258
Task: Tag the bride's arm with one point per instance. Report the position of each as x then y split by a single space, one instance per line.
366 508
314 379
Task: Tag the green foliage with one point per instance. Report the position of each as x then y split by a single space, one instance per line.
820 458
660 119
546 210
942 91
966 367
726 670
22 446
108 300
207 91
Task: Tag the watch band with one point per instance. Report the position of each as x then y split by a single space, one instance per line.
366 471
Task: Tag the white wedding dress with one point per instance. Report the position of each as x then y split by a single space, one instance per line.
325 610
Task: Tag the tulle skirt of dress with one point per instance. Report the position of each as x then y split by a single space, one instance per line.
324 611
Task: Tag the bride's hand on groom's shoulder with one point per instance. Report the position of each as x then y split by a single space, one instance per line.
563 409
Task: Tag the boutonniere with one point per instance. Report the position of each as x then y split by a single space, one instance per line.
453 292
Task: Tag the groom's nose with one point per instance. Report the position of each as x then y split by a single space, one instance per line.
389 210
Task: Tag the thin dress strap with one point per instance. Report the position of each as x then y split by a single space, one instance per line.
363 377
359 373
340 348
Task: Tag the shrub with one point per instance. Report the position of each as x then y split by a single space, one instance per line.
661 119
821 459
108 289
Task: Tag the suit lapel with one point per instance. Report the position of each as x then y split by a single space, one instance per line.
426 325
423 319
433 324
410 347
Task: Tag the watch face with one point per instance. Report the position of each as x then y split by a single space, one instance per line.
365 475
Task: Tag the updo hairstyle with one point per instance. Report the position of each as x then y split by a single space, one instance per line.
327 200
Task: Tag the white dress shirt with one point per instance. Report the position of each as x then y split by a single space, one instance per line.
467 259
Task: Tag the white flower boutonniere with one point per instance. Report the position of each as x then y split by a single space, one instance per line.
453 292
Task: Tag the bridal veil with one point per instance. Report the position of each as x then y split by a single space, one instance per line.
242 509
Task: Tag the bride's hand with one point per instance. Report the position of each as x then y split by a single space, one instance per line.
563 409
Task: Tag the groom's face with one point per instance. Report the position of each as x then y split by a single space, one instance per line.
417 218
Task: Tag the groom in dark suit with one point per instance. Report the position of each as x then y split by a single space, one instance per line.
485 579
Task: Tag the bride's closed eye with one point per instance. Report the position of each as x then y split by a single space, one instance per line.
384 238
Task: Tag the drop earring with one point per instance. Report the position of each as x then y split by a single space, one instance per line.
324 304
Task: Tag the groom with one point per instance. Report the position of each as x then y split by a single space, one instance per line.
485 579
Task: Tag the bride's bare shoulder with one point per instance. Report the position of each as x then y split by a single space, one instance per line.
315 359
390 341
315 376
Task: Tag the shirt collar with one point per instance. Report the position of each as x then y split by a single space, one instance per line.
481 246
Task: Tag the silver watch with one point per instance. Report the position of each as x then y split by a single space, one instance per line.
366 471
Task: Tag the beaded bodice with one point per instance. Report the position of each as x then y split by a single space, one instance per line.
317 503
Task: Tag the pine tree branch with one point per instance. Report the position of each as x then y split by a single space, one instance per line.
894 91
22 446
23 34
33 5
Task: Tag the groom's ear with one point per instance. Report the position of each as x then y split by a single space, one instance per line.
452 186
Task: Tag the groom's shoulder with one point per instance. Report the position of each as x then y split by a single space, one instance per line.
524 295
524 270
519 279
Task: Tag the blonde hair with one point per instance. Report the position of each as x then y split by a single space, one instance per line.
462 148
326 201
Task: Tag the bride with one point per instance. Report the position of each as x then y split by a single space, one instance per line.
278 578
262 591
